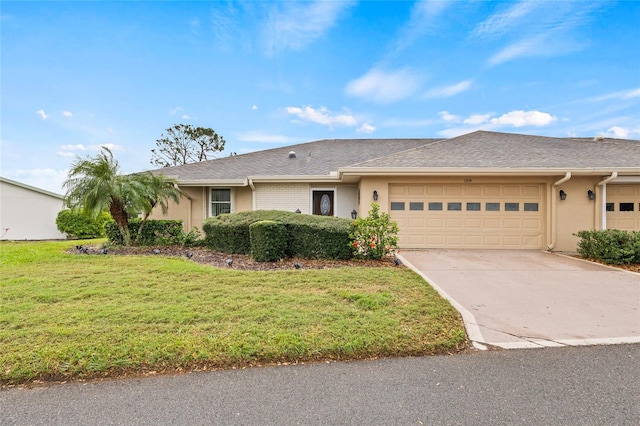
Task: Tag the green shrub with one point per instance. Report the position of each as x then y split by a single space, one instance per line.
611 246
308 236
374 236
154 232
268 240
81 225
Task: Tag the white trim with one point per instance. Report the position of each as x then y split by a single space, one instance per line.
210 203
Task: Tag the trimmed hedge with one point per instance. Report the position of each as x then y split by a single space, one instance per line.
81 225
611 246
308 236
154 232
268 240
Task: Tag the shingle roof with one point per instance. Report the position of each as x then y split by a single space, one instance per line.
477 150
318 158
494 150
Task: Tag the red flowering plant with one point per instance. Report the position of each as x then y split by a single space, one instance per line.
374 236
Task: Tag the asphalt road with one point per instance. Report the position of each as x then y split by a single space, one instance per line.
597 385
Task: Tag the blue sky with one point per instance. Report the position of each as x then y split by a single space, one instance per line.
78 75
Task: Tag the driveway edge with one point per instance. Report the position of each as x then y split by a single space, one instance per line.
471 325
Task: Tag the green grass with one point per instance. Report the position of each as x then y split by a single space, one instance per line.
65 316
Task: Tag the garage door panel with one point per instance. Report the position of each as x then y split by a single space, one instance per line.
620 199
487 218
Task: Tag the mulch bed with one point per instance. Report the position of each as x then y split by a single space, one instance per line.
238 261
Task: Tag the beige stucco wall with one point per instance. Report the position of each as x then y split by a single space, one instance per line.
346 200
577 212
28 215
190 208
242 197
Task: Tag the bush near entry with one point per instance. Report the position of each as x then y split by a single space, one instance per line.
611 246
268 240
307 236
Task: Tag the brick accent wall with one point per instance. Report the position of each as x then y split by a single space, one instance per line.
283 196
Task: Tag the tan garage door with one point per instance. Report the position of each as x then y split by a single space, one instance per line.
501 216
623 207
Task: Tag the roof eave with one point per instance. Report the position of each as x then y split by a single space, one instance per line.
461 171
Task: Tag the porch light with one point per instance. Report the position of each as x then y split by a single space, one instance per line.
375 195
591 195
297 211
563 195
354 214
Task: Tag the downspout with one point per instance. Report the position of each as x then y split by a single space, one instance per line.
554 204
603 184
253 194
189 220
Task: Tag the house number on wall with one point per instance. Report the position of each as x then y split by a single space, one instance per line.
468 180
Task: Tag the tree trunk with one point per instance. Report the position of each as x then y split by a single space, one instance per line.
119 214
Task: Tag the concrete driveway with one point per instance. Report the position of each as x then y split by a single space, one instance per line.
523 299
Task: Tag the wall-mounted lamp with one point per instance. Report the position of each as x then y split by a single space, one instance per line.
591 195
563 195
375 195
298 211
354 214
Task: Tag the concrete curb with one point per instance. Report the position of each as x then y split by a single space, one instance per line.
473 331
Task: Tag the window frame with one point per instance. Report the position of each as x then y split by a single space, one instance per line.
211 202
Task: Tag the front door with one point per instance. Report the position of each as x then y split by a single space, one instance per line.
323 203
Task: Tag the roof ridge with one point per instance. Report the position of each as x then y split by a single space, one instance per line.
431 142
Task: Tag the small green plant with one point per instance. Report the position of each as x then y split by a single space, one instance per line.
374 236
80 224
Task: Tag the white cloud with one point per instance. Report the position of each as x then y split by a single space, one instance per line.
448 117
366 128
423 19
624 94
67 114
73 150
294 26
186 117
47 179
42 114
475 119
623 132
264 137
537 28
385 87
448 91
254 107
524 118
175 110
322 116
505 21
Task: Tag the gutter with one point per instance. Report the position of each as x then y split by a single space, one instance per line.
554 204
253 193
603 184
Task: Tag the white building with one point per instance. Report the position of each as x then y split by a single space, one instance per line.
28 213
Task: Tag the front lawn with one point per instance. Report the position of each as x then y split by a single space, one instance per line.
66 316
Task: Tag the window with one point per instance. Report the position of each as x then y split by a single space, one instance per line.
626 207
492 207
511 207
397 206
435 206
220 201
454 206
473 207
530 207
611 207
416 206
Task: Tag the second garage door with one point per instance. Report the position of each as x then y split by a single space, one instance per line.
501 216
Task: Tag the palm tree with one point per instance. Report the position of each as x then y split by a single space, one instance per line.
96 185
159 191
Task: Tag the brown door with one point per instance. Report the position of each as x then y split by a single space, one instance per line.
323 203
